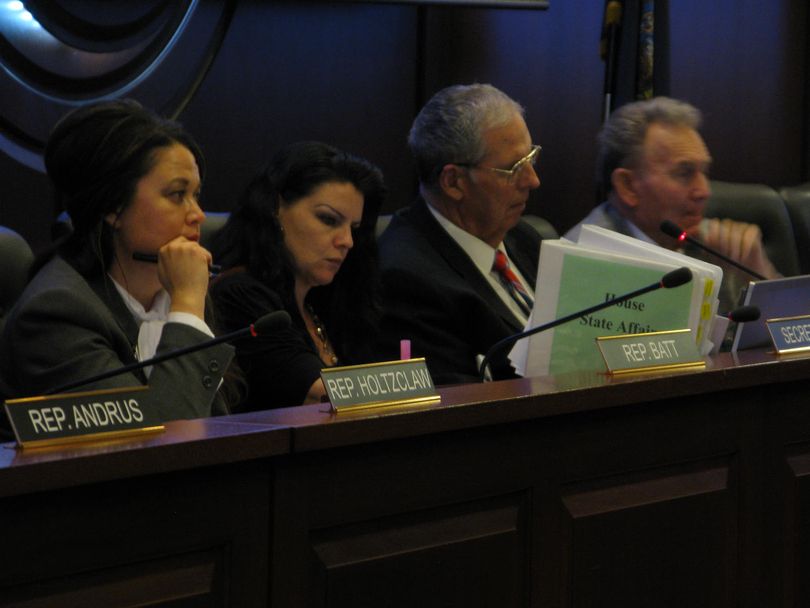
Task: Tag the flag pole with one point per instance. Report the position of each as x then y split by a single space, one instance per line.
609 48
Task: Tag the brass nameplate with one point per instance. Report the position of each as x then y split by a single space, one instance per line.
653 351
390 383
87 416
790 334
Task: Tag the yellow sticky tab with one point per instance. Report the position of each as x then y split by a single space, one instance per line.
705 311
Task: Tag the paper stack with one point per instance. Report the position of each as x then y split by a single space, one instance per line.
602 265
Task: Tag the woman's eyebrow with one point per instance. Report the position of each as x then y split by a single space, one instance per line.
330 208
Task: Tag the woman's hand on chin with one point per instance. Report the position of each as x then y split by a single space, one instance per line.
183 272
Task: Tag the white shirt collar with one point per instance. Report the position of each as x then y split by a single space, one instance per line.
158 312
150 322
481 253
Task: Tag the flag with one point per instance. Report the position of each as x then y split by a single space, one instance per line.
638 65
645 87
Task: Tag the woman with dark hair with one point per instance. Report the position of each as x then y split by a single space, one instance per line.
301 239
130 182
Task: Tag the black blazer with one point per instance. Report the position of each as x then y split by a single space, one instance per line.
435 296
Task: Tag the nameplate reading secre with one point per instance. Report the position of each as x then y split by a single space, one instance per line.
85 416
674 349
790 334
379 385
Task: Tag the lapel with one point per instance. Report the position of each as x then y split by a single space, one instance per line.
461 263
122 318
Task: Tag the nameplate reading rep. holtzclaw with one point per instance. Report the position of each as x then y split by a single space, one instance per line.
86 416
390 383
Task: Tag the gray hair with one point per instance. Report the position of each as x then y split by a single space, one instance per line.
450 126
622 137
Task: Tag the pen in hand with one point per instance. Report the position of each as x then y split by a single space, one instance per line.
153 258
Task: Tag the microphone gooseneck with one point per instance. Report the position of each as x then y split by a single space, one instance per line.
265 325
270 322
674 278
672 229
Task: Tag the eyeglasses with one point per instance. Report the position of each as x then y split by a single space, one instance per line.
510 174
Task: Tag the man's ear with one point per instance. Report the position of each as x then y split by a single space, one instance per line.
451 181
624 185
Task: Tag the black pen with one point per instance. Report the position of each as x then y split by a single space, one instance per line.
152 257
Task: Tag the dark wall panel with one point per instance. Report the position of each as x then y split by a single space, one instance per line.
744 63
342 73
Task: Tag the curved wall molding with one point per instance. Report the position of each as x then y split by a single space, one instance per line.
58 54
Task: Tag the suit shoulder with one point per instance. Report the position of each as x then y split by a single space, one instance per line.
55 285
524 235
402 240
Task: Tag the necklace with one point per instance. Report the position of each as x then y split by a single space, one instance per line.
329 355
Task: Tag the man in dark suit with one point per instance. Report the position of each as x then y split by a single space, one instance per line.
443 289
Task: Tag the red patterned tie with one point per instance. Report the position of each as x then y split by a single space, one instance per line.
512 283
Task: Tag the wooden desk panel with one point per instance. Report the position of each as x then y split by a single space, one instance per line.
649 492
177 519
582 490
788 496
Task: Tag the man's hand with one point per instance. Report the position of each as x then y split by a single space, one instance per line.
741 242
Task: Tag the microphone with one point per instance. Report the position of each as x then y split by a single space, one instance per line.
674 278
744 314
267 324
719 331
153 258
672 229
